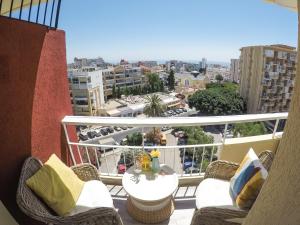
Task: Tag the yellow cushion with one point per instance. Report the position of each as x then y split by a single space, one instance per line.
57 185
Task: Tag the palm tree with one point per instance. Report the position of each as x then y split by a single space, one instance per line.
154 106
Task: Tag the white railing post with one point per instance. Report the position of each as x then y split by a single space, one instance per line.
68 141
224 135
275 128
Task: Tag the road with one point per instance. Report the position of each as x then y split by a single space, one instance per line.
171 156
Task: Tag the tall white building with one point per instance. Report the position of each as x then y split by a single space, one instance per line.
235 70
86 90
203 63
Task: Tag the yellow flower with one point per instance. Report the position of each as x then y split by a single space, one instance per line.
155 153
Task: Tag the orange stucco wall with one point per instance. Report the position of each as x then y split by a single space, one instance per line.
34 98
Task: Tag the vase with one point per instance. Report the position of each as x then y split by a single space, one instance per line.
155 165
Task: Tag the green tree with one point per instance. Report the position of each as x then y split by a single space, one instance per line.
135 139
229 86
154 82
114 94
249 129
194 136
219 78
162 86
154 106
171 80
218 100
118 92
126 91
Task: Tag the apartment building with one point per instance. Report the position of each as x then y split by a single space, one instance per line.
80 62
267 76
235 70
86 91
122 77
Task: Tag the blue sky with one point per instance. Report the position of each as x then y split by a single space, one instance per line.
172 29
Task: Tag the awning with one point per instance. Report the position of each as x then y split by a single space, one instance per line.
291 4
6 5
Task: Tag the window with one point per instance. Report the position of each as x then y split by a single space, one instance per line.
269 53
75 81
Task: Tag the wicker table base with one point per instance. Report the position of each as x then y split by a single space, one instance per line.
150 217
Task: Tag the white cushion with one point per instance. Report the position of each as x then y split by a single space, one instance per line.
93 195
214 193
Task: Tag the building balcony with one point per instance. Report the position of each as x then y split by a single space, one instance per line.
106 157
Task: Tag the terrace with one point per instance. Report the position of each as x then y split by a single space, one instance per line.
39 108
230 149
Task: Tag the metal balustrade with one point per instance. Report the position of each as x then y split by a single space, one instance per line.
43 12
106 156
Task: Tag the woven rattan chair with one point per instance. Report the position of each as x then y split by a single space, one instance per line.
225 170
34 207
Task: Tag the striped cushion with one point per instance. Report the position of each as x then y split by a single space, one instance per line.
247 181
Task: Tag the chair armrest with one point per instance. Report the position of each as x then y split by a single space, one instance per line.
221 170
86 172
218 216
97 216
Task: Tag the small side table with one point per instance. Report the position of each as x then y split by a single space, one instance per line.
150 195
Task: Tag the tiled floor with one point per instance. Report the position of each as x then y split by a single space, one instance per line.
184 205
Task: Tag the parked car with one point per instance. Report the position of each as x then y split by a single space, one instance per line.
179 134
184 109
91 134
110 130
83 137
98 133
180 110
177 111
182 141
117 128
104 132
192 169
121 168
124 128
187 164
165 128
124 141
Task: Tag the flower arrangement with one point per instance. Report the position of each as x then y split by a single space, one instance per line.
144 160
155 153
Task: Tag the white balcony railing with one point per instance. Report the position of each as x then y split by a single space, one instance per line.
106 155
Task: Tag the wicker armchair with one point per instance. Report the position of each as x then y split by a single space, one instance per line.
225 170
34 207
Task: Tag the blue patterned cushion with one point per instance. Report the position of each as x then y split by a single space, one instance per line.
247 181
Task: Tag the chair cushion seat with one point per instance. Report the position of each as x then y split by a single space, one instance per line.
93 195
214 193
